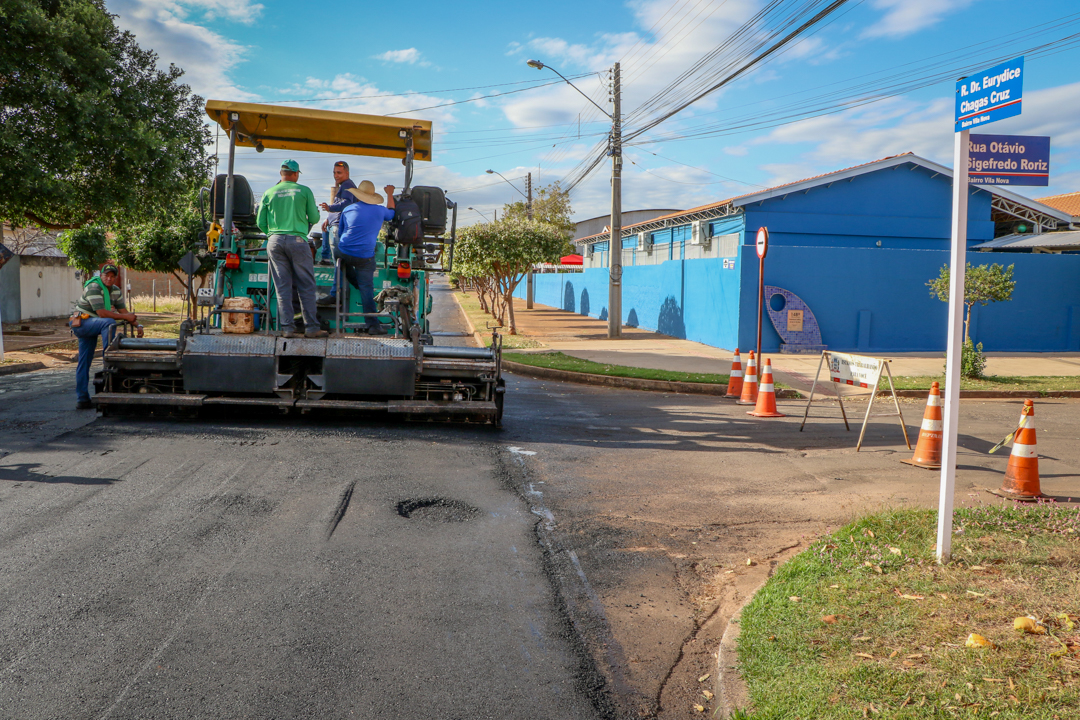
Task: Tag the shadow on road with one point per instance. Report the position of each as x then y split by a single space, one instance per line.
27 472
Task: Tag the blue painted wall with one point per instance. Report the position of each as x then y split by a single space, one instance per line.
881 294
692 299
823 247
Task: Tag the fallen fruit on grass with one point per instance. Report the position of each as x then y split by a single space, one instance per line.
699 708
1028 625
750 563
830 619
704 677
794 598
978 641
708 695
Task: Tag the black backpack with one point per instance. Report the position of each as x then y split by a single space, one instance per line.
408 224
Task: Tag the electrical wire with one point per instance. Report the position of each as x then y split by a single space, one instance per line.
420 92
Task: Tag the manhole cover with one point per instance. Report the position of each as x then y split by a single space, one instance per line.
437 510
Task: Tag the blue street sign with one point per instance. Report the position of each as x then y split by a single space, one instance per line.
990 95
1008 160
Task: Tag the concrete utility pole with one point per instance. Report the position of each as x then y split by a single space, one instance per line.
528 213
615 243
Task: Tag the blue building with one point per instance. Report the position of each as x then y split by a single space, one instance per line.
857 246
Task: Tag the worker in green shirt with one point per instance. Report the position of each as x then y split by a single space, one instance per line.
286 213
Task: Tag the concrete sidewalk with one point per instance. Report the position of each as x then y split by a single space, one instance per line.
586 338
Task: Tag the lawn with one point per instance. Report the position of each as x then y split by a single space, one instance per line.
480 320
1044 384
865 624
559 361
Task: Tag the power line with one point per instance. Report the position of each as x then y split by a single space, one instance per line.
421 92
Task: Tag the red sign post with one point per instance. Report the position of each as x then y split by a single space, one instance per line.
762 249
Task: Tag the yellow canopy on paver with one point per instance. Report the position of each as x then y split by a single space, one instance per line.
326 131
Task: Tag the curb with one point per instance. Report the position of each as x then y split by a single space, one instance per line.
21 368
625 382
730 688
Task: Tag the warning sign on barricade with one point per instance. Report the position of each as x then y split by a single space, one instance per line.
856 375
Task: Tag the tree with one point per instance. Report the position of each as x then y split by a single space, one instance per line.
983 284
91 129
87 248
157 244
551 205
500 253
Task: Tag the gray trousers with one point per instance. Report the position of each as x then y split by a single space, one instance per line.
291 264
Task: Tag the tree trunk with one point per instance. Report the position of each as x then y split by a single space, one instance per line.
510 287
967 322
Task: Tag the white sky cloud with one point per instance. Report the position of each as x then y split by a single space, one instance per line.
903 17
206 57
409 56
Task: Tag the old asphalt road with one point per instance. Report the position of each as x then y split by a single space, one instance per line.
582 562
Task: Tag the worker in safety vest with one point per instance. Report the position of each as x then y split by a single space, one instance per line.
96 313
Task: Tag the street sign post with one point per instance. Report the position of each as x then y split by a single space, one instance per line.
762 249
990 95
985 97
1009 160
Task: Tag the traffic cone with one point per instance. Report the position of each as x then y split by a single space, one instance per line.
1022 473
749 386
928 450
766 399
734 383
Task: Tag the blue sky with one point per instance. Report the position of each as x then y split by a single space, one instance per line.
359 57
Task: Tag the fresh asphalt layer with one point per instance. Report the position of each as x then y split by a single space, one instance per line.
582 562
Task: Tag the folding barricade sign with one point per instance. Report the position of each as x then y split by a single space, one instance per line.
856 375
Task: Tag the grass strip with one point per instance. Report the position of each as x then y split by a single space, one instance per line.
865 624
1041 384
480 320
559 361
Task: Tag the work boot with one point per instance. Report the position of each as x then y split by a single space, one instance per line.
316 333
379 329
325 300
291 333
84 405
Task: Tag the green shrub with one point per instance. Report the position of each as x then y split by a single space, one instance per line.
972 360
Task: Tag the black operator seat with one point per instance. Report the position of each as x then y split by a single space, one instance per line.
245 211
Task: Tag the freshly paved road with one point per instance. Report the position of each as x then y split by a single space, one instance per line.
263 568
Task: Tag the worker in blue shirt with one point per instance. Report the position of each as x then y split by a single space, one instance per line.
360 224
342 200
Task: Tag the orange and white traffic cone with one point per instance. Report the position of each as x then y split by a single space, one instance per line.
766 399
735 380
749 386
1022 473
928 450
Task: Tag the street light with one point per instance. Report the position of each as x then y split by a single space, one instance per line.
480 213
528 198
615 151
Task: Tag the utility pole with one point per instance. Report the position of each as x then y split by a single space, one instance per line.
528 213
615 243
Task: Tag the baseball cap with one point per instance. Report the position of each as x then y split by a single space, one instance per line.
291 165
110 268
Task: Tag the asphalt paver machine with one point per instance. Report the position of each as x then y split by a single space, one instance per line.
230 352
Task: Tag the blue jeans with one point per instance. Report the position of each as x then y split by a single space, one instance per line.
88 333
361 275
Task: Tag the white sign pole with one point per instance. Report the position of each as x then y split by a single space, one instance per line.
957 266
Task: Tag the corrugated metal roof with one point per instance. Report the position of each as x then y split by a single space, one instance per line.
836 175
1017 242
1067 202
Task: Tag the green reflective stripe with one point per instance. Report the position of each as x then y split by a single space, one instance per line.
106 293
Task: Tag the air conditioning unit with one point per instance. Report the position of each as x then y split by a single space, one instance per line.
644 241
700 233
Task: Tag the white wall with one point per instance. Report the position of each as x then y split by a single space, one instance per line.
47 289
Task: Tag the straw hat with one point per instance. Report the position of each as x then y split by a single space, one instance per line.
366 193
